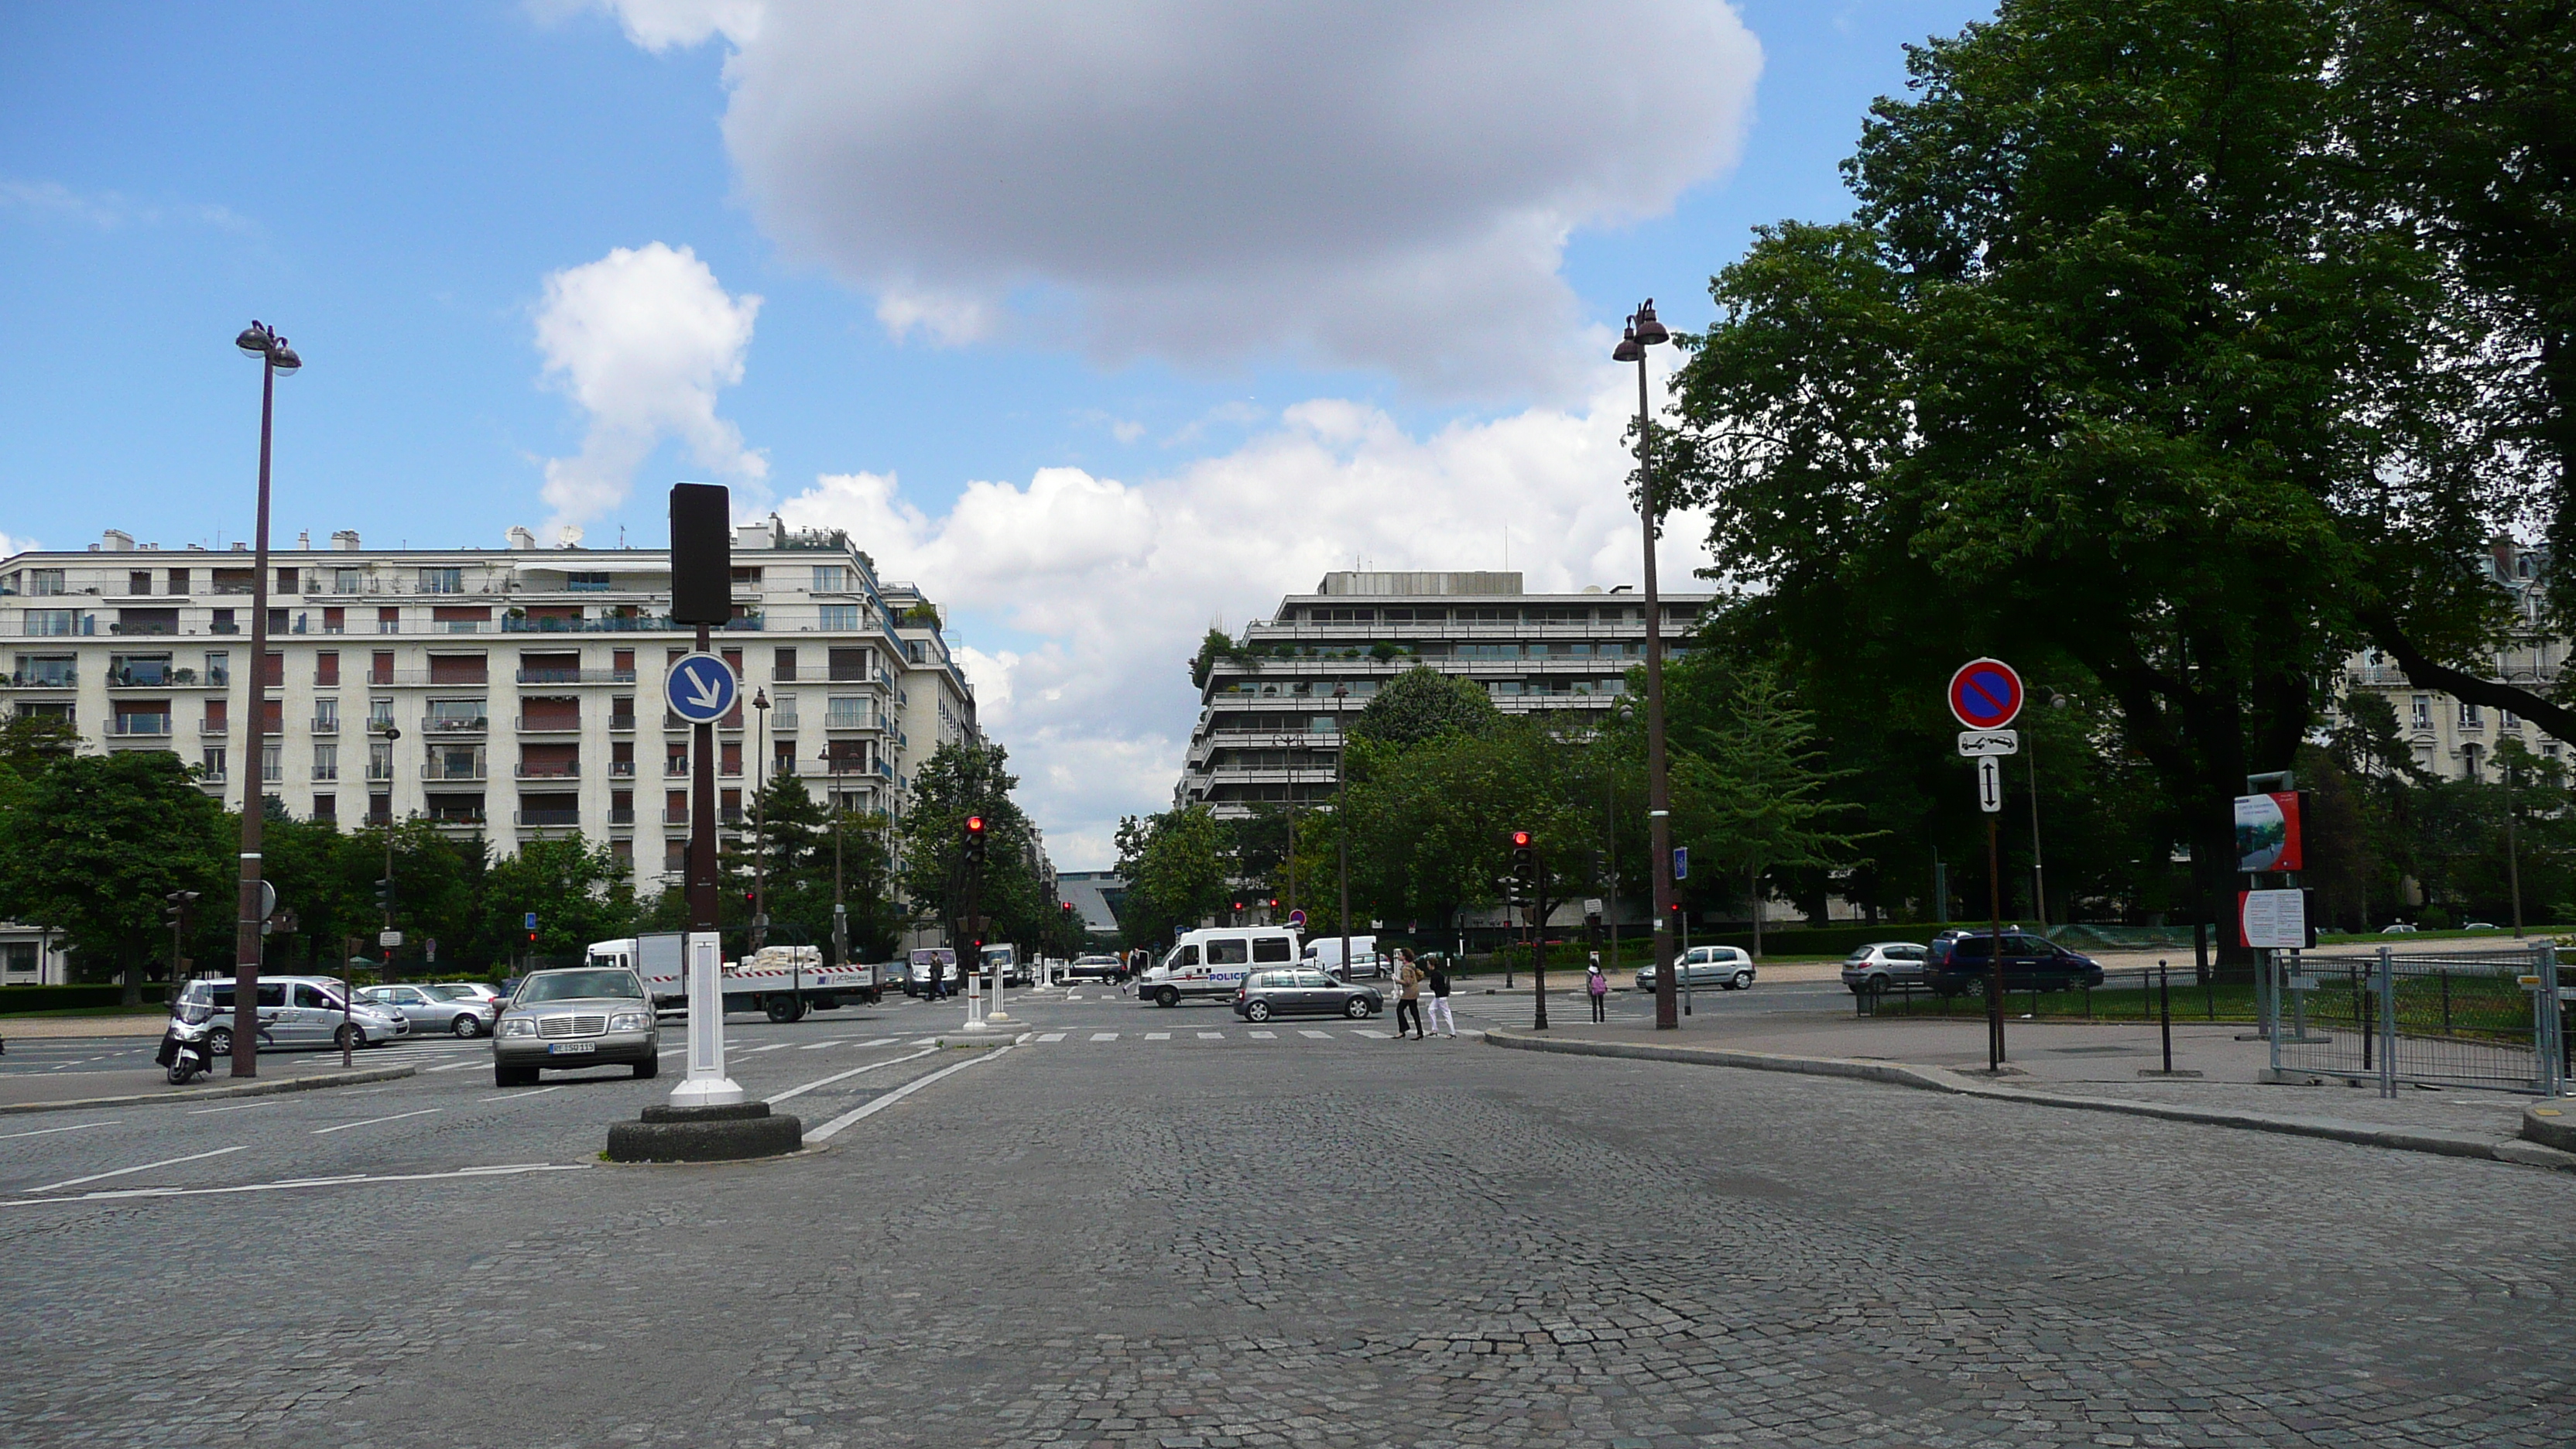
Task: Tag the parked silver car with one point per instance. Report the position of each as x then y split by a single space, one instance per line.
432 1008
294 1011
1727 967
584 1016
1886 964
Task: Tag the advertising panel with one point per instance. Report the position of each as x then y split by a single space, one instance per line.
2267 832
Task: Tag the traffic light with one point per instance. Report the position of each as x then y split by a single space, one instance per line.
975 840
1525 861
385 895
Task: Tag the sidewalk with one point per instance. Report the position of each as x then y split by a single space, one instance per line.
2073 1065
79 1091
56 1028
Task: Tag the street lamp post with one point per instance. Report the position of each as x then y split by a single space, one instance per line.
832 758
392 734
276 358
1341 812
759 832
1644 332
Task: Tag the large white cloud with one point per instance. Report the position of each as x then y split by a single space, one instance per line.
1108 585
643 339
1353 183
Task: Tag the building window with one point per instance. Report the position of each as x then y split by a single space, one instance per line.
846 712
48 671
45 583
326 762
211 760
831 578
346 581
52 623
326 668
2507 720
326 808
442 581
326 715
380 760
272 764
840 618
2470 718
586 583
2423 712
139 581
675 855
782 668
783 717
2472 762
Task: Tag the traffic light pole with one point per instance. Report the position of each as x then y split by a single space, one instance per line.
1538 939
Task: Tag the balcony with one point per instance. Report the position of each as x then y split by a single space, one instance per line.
329 726
782 722
624 722
437 770
216 728
850 722
139 726
576 676
549 725
622 815
457 819
675 769
43 679
326 772
163 678
621 769
558 770
436 726
548 817
675 815
634 624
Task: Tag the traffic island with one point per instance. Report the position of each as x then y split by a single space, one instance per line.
706 1134
2551 1126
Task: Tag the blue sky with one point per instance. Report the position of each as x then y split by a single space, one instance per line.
1142 352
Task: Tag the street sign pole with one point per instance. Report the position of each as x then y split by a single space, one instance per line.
701 548
1986 695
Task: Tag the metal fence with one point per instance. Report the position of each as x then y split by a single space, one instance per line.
2492 1020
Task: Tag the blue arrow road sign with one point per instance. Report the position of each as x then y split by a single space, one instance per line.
532 920
1681 862
701 688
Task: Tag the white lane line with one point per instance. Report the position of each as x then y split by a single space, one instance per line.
926 1041
772 1047
845 1076
372 1121
818 1046
1257 1035
871 1108
512 1096
1158 1036
236 1107
75 1127
450 1067
1318 1035
1051 1036
1211 1036
1104 1036
512 1169
882 1041
1364 1031
146 1167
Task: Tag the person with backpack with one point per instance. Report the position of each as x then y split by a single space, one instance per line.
1597 986
1440 1012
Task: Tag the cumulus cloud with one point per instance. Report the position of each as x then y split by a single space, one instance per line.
1105 586
1380 185
643 340
12 545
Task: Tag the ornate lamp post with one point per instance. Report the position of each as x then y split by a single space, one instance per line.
1644 332
276 359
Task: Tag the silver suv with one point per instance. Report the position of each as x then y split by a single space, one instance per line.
588 1016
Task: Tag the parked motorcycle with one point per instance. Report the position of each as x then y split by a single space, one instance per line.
185 1050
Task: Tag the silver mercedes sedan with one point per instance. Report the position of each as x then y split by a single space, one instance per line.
581 1017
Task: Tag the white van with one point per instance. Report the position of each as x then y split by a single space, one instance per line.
1211 963
1326 952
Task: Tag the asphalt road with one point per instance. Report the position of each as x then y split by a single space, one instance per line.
1169 1228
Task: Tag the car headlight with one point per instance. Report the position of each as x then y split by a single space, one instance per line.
631 1021
518 1026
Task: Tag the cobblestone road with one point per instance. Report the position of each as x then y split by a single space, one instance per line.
1336 1241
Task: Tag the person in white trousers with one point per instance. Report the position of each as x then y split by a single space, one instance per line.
1442 1019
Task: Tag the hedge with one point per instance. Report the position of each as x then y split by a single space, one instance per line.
73 998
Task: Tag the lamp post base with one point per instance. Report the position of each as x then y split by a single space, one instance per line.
706 1092
713 1133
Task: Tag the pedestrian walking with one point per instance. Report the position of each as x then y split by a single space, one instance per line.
1597 986
1441 1016
938 985
1408 1000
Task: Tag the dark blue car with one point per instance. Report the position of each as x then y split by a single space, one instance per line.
1963 964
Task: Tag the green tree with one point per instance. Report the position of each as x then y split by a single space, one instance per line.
1422 704
581 892
91 846
1177 866
963 778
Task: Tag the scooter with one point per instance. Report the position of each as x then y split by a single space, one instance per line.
185 1053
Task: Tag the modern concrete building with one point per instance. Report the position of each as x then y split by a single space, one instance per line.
1270 713
513 693
2450 737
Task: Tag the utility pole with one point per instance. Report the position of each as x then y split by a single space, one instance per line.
249 941
1341 809
1645 331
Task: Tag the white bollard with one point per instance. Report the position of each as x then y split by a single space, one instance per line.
707 1085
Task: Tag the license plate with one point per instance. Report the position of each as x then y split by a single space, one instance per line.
571 1048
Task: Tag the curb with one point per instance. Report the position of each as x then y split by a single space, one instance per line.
255 1089
1938 1079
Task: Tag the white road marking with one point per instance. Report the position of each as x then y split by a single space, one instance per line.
75 1127
1211 1036
450 1067
772 1047
1051 1036
882 1041
372 1121
512 1169
871 1108
818 1046
844 1076
1104 1036
508 1096
1158 1036
1256 1036
1364 1031
1318 1035
236 1107
146 1167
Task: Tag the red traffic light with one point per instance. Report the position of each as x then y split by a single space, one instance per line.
974 824
1520 839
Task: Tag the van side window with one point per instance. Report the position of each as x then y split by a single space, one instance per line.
1186 956
1229 953
1270 948
310 998
271 995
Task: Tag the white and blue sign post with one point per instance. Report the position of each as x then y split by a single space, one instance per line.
701 689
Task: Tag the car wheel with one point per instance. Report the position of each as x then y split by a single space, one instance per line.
1167 997
1743 981
647 1069
1976 986
467 1026
1357 1008
1257 1011
349 1037
785 1008
219 1044
1874 985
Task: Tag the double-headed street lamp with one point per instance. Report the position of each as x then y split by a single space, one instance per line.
276 358
1644 332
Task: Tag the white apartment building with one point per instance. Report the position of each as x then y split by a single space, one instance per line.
2450 737
512 693
1270 719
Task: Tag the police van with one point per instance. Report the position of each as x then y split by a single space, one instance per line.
1212 963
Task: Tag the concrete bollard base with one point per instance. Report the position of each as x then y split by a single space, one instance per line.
705 1134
